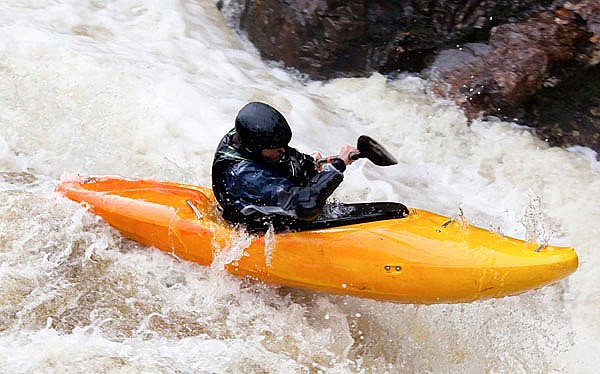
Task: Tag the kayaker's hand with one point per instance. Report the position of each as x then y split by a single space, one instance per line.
317 156
346 152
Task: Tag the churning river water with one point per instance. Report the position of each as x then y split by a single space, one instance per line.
146 88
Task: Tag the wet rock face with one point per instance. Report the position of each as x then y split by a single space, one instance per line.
589 11
568 114
327 38
517 61
542 72
307 35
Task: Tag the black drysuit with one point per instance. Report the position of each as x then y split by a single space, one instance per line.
256 193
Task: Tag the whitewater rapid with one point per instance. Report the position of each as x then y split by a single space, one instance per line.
147 88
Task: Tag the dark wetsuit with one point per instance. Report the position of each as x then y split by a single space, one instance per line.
256 193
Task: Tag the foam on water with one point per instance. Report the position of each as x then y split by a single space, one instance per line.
147 89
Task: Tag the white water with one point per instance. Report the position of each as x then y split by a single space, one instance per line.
146 89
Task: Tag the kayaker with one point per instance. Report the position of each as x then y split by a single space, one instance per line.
258 179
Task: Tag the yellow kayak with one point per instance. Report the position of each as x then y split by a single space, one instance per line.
421 258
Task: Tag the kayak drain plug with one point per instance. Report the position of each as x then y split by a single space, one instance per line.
388 268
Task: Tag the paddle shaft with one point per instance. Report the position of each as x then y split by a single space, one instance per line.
370 149
328 159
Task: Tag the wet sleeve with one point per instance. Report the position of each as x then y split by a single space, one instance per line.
308 201
258 190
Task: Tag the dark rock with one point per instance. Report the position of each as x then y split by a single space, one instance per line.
589 10
319 38
327 38
541 73
569 113
520 58
450 60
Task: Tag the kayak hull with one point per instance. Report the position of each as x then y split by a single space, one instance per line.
423 258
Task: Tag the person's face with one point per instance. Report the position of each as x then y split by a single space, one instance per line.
272 155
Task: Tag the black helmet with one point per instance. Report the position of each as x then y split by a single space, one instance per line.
261 126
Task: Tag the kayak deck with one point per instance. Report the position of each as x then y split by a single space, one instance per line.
420 258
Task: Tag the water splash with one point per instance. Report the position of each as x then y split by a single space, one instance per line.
496 230
270 241
459 218
533 221
234 250
335 209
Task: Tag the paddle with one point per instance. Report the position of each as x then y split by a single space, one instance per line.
370 149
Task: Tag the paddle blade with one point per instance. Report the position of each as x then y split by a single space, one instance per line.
374 151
